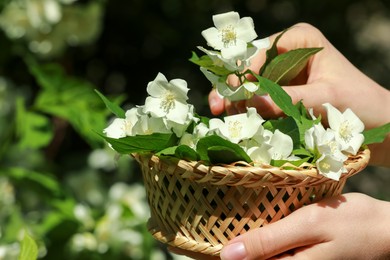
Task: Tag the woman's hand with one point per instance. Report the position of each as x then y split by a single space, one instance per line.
328 77
351 226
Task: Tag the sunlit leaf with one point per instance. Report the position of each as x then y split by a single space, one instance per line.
286 66
376 135
279 96
29 249
33 129
272 52
113 107
142 143
71 99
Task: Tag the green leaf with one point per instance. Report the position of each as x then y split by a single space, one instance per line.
206 62
182 152
33 129
213 143
71 99
29 249
376 135
297 163
142 143
45 181
302 152
223 154
285 67
113 107
186 153
279 96
272 52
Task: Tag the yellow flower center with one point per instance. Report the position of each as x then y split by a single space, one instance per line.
345 131
229 36
325 165
168 102
248 94
235 128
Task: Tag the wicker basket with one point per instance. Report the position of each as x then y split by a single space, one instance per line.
200 208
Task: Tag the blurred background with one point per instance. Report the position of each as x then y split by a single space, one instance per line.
58 180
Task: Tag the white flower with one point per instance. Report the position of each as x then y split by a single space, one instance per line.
317 138
230 34
191 139
330 166
122 127
323 141
167 99
117 129
180 128
83 214
243 92
147 125
219 61
43 13
237 63
281 146
238 127
260 154
219 83
348 128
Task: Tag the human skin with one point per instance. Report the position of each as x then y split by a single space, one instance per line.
328 78
349 226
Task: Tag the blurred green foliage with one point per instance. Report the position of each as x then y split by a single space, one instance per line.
58 180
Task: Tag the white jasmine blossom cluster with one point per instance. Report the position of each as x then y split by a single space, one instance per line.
334 144
295 139
48 26
165 110
234 44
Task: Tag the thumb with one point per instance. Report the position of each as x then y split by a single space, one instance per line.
271 240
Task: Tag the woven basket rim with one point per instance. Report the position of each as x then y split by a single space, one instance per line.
244 174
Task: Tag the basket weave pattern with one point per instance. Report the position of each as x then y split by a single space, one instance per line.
200 208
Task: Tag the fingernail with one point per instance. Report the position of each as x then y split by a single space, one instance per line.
213 102
235 251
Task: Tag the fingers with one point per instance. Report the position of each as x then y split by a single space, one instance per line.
268 109
216 103
272 240
301 35
303 232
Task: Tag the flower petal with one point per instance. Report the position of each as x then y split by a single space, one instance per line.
226 19
157 87
213 38
356 124
153 106
330 167
179 88
245 29
116 129
282 145
238 50
335 118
